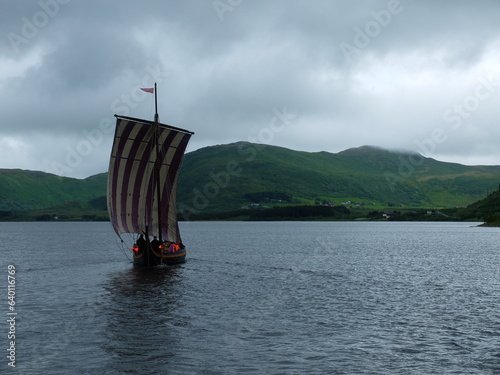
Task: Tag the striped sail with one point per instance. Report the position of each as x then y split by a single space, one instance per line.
134 179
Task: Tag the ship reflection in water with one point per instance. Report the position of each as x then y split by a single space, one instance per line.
142 316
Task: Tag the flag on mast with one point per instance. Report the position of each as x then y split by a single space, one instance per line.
150 90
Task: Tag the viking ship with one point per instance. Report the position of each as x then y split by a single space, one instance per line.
145 161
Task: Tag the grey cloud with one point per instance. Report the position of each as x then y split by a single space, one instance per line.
222 75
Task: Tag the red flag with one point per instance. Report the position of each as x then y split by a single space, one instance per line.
151 90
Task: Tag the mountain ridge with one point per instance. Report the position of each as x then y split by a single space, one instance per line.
230 176
27 190
364 173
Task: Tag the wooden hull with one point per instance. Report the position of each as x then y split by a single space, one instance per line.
149 258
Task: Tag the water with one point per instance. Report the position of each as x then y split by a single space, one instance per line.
256 298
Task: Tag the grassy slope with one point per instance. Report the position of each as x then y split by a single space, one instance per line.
360 174
217 178
487 209
23 190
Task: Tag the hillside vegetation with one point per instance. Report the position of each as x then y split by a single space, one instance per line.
487 208
31 190
221 178
241 176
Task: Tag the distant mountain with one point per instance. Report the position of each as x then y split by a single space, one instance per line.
30 190
228 177
223 177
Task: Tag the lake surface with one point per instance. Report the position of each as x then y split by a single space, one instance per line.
256 298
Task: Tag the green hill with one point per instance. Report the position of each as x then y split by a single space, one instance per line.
221 178
487 209
31 190
239 175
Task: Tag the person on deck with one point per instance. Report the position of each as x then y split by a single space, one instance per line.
155 244
173 248
166 246
135 249
141 242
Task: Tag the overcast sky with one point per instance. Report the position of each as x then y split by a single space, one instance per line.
310 75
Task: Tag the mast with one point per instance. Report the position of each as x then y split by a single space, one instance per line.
158 167
156 105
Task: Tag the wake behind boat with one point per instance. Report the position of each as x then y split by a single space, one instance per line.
142 181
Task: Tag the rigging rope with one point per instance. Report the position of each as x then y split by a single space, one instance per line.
123 248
